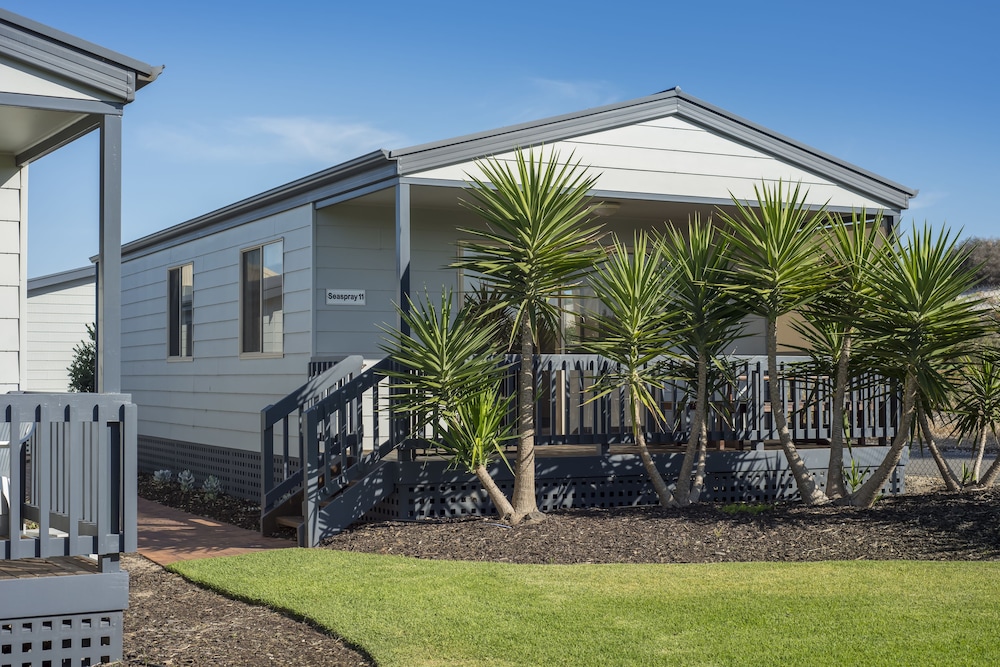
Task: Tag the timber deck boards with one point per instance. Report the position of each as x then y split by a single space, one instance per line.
26 568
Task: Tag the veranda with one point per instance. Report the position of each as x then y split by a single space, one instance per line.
362 461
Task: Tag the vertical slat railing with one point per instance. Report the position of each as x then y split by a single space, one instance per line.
334 455
288 413
73 478
605 420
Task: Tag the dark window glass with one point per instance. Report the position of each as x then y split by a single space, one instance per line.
180 311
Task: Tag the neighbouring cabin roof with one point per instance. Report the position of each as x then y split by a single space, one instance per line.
62 278
56 87
67 55
380 169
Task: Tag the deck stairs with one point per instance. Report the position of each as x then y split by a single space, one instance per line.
328 442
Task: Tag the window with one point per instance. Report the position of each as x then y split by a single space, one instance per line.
261 285
180 310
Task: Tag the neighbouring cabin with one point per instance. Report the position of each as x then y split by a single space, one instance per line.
60 306
238 309
67 461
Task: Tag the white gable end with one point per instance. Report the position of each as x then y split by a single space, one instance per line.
24 80
673 158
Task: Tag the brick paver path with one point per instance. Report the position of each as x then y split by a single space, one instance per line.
167 535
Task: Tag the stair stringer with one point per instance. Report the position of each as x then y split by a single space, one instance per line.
349 505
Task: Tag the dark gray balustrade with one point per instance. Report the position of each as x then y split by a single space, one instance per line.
71 484
568 412
329 439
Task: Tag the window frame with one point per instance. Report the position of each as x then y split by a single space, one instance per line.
260 319
175 310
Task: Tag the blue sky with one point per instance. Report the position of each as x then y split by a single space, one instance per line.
257 94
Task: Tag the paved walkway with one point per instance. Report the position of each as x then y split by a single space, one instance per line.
167 535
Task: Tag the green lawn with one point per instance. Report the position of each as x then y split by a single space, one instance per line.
411 612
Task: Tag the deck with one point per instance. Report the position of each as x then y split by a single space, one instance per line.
68 512
60 566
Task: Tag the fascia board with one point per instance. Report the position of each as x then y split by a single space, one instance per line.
26 26
66 104
355 175
63 277
98 76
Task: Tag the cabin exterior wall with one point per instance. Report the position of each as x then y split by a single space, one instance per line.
59 309
214 396
12 275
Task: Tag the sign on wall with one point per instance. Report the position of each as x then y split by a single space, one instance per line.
345 297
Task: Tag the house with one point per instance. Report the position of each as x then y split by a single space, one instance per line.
60 307
67 462
229 312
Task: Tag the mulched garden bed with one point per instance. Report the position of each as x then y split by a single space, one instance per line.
168 613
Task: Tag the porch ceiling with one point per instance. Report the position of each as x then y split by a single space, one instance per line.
22 128
439 197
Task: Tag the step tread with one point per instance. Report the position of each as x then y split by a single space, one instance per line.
289 521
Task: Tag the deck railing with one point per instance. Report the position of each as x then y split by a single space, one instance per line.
281 430
568 412
331 443
71 485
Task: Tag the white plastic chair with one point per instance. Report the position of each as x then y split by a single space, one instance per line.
25 432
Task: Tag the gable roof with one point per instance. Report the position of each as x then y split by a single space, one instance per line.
380 169
672 102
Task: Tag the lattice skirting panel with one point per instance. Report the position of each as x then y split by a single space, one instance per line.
69 639
237 469
428 489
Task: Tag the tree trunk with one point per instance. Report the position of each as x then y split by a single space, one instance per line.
659 486
524 502
811 494
991 474
698 438
497 497
699 472
835 488
950 480
977 465
869 491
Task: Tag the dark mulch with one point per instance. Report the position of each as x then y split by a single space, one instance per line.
168 612
936 526
173 622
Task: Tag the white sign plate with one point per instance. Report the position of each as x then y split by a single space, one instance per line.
345 297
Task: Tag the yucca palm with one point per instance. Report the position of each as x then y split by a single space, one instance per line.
977 409
441 361
447 380
537 243
919 329
829 322
710 321
636 333
778 269
473 437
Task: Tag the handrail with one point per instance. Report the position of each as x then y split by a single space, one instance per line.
336 439
320 385
281 412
